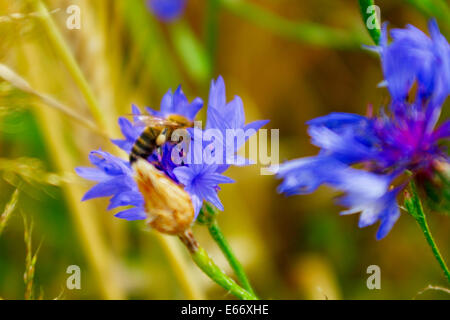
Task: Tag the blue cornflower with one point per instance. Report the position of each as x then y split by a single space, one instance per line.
412 57
167 10
200 180
229 117
401 138
114 178
223 115
177 103
129 130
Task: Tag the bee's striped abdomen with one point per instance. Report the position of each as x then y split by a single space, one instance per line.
145 144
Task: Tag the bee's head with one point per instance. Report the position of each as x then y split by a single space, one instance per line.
181 120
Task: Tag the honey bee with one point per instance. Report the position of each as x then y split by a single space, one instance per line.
168 205
157 131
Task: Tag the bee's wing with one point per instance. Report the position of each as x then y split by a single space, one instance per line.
146 120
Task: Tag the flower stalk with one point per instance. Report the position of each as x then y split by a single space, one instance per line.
415 209
208 217
217 235
180 266
207 265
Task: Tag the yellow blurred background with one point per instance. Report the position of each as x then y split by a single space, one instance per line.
288 60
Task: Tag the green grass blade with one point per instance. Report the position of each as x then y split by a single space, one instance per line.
304 32
191 52
370 19
147 35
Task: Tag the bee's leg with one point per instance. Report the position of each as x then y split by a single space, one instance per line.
159 152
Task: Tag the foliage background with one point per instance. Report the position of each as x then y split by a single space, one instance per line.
286 61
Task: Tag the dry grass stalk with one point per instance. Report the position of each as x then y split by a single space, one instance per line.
10 206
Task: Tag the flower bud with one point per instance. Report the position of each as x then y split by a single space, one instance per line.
168 205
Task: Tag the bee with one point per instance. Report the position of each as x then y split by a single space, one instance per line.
168 205
157 132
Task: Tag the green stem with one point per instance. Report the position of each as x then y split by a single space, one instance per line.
207 265
370 19
208 217
219 238
180 266
414 207
204 262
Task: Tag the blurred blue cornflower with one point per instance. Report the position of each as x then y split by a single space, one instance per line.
402 138
200 180
167 10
